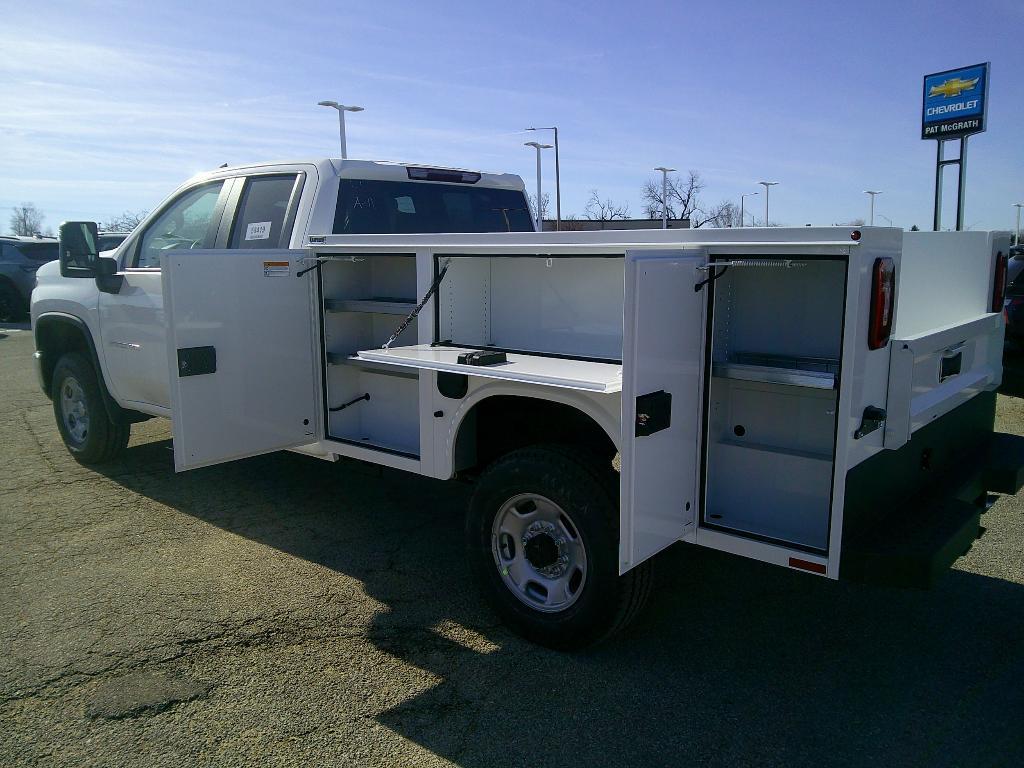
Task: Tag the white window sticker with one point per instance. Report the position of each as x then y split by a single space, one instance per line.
405 204
258 230
276 269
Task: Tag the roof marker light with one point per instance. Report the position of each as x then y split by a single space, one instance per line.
442 174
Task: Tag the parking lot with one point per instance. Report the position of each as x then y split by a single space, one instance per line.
284 611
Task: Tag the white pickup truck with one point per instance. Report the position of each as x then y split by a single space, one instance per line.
821 399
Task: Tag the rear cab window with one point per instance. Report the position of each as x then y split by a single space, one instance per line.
266 211
369 207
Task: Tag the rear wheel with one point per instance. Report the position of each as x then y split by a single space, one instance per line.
85 427
542 537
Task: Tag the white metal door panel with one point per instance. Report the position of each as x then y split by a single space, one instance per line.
663 353
241 354
134 334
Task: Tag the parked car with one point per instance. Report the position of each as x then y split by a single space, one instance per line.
20 257
108 241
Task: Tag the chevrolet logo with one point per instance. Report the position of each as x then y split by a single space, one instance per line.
953 87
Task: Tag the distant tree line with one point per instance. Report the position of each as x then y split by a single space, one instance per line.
27 220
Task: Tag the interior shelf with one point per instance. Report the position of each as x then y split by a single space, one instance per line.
342 358
814 372
383 306
535 369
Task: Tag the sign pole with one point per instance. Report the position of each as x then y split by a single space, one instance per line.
961 184
937 215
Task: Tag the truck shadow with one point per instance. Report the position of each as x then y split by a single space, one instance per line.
735 662
1013 374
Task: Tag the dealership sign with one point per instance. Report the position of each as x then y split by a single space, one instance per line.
955 103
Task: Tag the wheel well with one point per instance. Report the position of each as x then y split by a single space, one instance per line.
6 281
502 423
56 337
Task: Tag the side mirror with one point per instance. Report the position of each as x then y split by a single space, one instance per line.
79 254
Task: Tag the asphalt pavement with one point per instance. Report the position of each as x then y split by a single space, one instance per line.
287 611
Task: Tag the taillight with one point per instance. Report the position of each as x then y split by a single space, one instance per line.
999 283
883 291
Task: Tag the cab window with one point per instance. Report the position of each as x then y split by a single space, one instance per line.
265 212
188 222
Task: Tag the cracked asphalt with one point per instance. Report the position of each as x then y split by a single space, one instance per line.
286 611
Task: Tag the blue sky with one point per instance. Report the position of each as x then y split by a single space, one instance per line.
109 106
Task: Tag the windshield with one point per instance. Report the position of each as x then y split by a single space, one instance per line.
367 207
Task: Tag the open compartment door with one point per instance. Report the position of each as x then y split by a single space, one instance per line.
663 354
240 349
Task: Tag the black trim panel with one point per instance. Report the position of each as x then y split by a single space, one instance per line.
909 513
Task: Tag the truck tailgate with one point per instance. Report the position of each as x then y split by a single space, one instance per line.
932 373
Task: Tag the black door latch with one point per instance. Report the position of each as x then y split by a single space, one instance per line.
653 413
873 418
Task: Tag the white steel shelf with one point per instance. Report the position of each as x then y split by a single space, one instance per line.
813 372
384 306
353 360
534 369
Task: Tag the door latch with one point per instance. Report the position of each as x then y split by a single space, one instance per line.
873 419
653 413
196 361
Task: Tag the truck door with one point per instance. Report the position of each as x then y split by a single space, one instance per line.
663 354
241 354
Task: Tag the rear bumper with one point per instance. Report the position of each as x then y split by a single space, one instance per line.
911 513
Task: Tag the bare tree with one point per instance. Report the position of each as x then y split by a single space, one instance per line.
683 202
531 200
725 214
124 222
26 220
605 210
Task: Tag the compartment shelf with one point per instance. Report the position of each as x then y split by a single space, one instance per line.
534 369
814 372
383 306
352 359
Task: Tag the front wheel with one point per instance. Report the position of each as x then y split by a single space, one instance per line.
542 538
85 427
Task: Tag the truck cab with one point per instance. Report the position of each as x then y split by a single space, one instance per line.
119 321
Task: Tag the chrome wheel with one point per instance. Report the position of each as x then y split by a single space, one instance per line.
539 552
74 410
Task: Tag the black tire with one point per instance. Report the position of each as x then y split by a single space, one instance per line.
103 439
586 488
12 308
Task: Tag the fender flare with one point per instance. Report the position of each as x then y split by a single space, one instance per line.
48 319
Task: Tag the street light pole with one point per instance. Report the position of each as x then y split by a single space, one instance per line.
743 221
1016 239
558 180
538 147
342 109
766 185
664 194
872 192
